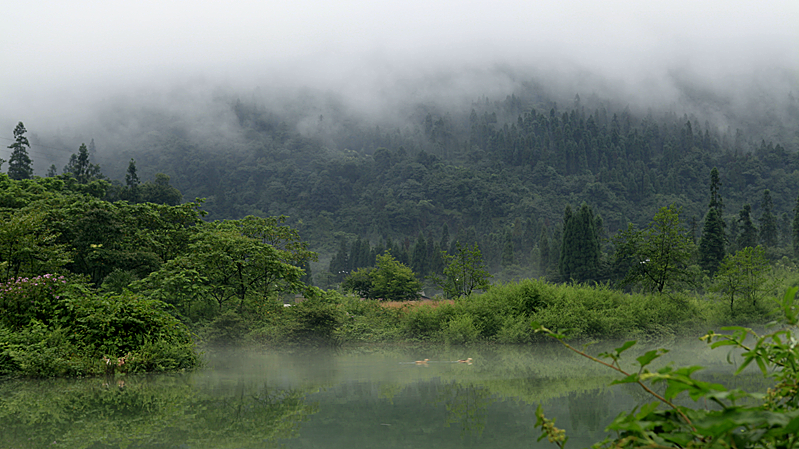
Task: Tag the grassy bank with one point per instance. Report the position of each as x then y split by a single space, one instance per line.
501 315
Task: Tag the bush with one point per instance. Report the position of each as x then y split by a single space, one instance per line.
316 320
425 322
368 321
226 330
89 334
24 299
515 329
460 330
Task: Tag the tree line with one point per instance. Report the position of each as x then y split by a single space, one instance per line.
507 169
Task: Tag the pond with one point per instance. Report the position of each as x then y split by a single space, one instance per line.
354 398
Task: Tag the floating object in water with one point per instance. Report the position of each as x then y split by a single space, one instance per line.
422 362
467 361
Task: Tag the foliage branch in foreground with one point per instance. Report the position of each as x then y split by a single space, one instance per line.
739 419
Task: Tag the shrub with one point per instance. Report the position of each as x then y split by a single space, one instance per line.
88 334
316 320
227 329
515 329
460 330
23 299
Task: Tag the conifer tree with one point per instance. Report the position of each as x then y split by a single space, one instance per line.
544 253
366 259
340 263
507 250
768 222
19 165
748 232
436 260
355 255
715 196
732 236
795 228
131 191
419 258
565 261
579 256
81 168
131 177
711 245
444 237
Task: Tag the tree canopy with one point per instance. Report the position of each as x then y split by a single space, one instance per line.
658 256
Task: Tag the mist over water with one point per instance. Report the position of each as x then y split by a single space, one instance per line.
341 398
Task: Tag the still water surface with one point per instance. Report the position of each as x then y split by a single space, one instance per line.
331 399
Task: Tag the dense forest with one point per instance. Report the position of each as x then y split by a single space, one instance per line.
496 173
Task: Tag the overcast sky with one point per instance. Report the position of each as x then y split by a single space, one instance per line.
60 56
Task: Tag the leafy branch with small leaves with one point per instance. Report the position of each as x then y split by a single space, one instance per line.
739 419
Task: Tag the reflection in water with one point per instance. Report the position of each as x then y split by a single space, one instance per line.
466 405
162 411
327 400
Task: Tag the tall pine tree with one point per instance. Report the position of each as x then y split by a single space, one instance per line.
748 232
544 252
711 245
419 258
340 263
795 228
507 250
19 166
81 168
768 222
579 255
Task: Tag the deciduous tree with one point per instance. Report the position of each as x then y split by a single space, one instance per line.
464 273
745 275
659 255
393 281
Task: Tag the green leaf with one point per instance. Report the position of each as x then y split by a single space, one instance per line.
632 378
627 345
647 358
743 366
762 365
674 388
719 343
681 439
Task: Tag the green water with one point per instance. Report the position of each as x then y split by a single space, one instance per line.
330 399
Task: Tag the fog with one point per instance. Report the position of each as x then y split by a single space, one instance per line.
69 63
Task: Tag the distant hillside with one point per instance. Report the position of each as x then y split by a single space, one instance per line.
496 167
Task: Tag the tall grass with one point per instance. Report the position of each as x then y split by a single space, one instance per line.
503 315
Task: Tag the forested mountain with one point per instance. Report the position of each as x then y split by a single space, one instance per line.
497 172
